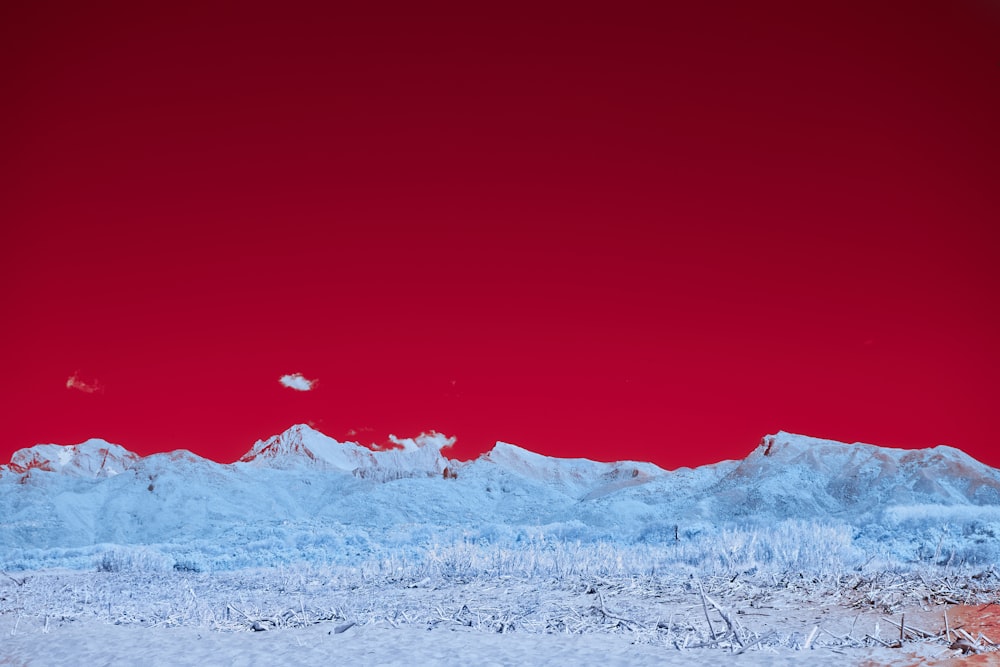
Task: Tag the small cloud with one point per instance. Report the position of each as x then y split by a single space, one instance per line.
434 440
88 387
297 381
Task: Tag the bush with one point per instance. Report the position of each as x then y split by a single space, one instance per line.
133 559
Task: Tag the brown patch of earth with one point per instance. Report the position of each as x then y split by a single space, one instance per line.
981 622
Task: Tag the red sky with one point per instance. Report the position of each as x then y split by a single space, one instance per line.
654 231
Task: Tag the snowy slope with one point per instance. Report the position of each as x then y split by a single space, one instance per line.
303 495
582 478
794 475
304 447
93 458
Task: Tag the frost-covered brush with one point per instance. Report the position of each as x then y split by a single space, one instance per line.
954 638
890 591
742 613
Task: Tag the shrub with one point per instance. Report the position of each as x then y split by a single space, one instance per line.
133 559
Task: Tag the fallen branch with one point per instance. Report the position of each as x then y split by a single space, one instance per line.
883 643
604 610
704 606
733 625
922 634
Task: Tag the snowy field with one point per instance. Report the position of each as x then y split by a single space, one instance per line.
546 602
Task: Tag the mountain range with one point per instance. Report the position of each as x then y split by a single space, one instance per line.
55 498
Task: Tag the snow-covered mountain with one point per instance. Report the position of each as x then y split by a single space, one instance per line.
791 474
577 477
293 495
302 446
93 458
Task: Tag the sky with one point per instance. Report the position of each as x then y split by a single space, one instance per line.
653 231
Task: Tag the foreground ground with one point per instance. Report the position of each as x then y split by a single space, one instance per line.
311 616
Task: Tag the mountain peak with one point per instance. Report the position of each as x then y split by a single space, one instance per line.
505 452
784 443
581 477
303 445
798 471
91 458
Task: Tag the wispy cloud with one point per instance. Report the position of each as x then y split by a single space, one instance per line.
86 386
297 381
433 439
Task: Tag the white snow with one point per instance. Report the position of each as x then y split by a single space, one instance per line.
409 522
93 458
301 495
577 477
302 446
440 614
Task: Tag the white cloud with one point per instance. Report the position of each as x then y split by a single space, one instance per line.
437 441
88 387
297 381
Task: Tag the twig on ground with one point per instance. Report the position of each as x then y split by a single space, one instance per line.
19 582
704 606
604 610
921 634
810 638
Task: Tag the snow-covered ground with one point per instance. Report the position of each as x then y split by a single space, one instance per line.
306 615
337 551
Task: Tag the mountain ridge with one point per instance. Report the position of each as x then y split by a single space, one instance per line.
303 495
301 445
785 474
